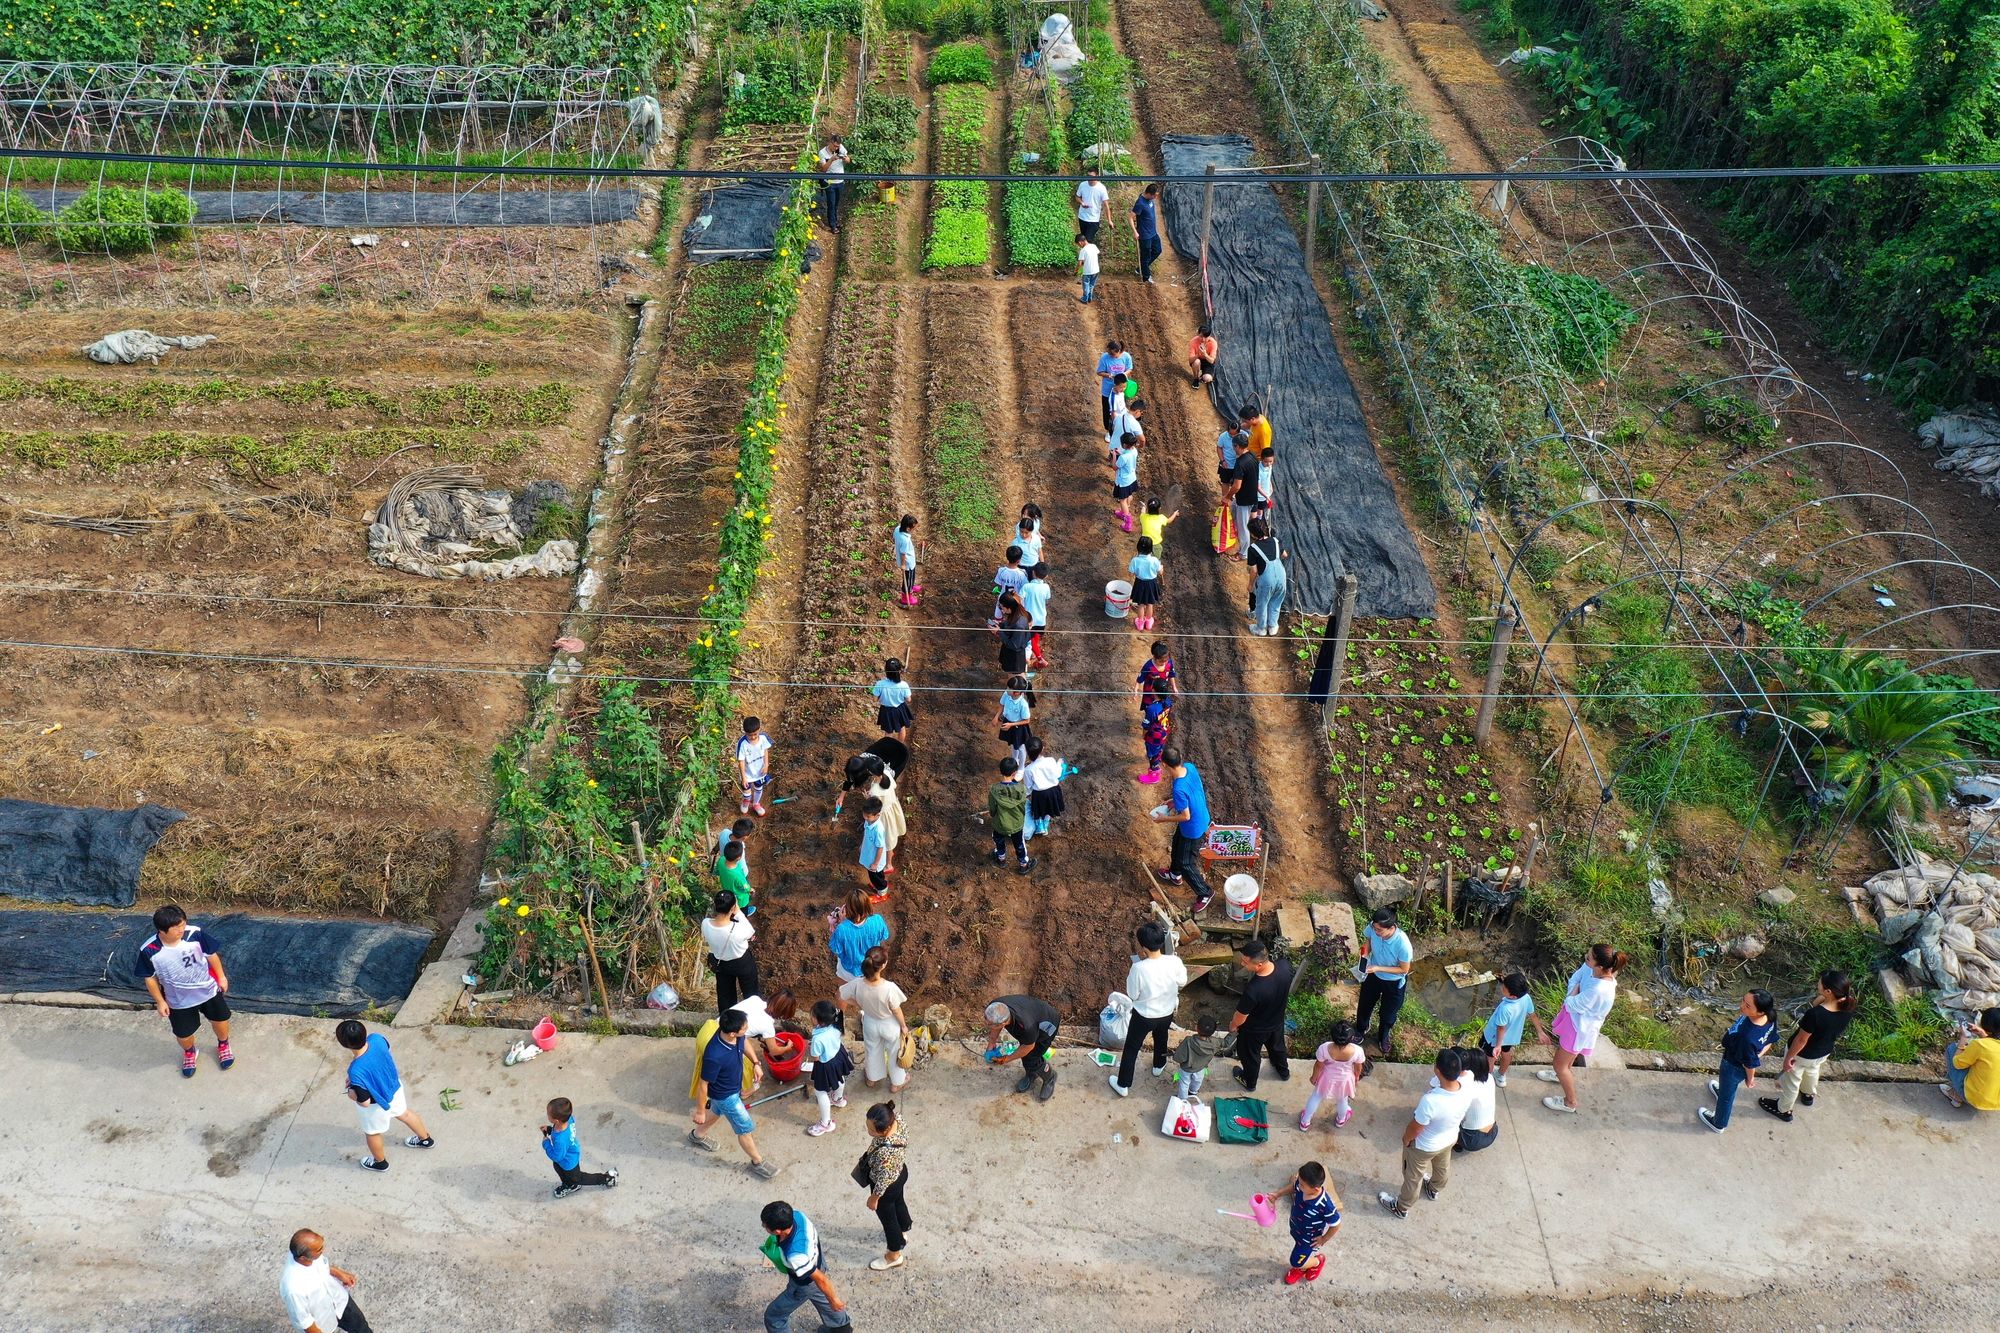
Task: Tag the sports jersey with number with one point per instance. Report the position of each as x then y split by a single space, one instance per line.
181 969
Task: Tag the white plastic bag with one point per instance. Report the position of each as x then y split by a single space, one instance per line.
1114 1020
663 996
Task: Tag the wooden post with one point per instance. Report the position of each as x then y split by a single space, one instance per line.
1528 859
1496 666
1207 211
1312 219
1331 663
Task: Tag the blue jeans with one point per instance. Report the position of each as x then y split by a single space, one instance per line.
1728 1079
1270 600
1954 1075
778 1314
732 1109
1089 285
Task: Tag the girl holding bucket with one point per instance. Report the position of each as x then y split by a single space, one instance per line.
1592 990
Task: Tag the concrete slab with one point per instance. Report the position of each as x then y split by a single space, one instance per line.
1065 1215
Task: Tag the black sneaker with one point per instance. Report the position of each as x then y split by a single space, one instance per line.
564 1191
414 1142
1770 1105
370 1164
999 858
1025 866
1027 1081
1805 1099
1430 1190
1241 1081
1388 1202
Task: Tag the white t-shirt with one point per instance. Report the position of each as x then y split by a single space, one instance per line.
833 161
1441 1113
1044 773
759 1022
875 999
728 943
181 968
1087 256
754 753
1091 197
1590 1005
313 1295
1483 1109
1155 985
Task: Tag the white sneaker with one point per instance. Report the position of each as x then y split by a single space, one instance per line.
1118 1087
1499 1080
1547 1076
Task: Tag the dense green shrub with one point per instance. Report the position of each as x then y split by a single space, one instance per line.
20 220
960 62
810 15
1585 317
779 77
907 15
117 219
952 19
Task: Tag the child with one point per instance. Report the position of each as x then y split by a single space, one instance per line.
1114 361
1007 815
1336 1074
738 831
375 1087
1013 718
906 558
187 984
1153 524
1156 677
1028 535
874 849
559 1142
1035 594
1194 1055
1201 355
831 1065
1125 478
1510 1018
1120 419
733 873
1228 444
1743 1048
1145 568
1010 577
1158 728
892 697
1086 266
1315 1217
1267 465
1043 777
753 766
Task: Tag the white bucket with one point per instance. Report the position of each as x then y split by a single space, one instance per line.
1239 898
1117 598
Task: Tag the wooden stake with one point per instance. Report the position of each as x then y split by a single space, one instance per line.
1496 666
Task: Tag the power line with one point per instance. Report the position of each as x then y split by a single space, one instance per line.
1248 177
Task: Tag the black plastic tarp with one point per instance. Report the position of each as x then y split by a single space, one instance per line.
276 965
1335 510
77 854
487 206
737 221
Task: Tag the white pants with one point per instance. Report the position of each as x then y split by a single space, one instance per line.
881 1038
826 1100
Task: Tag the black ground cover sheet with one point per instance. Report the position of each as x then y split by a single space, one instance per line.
1335 510
738 221
77 854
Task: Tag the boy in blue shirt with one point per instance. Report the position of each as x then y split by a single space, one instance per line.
375 1086
1509 1021
793 1246
874 846
559 1142
1385 975
1315 1217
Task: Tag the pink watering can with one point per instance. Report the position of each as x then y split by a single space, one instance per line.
1263 1211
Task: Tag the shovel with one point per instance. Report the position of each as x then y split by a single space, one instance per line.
1248 1123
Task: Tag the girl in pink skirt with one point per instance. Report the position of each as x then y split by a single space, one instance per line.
1592 990
1337 1066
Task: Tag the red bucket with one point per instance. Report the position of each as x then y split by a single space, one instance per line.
787 1054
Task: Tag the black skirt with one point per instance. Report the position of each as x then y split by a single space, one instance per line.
1013 659
1017 735
830 1074
893 719
1047 803
1145 592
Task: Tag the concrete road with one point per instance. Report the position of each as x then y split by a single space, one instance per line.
133 1200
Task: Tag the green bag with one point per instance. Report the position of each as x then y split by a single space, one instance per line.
775 1253
1228 1110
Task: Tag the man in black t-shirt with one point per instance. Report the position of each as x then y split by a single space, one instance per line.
1033 1023
1244 475
1259 1023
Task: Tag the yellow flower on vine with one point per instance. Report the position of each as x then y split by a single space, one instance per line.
506 902
522 910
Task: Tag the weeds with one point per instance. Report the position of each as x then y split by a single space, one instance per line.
453 404
280 456
962 472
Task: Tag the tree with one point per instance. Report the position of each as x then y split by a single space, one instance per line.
1884 734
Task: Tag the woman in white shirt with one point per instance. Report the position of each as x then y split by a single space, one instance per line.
1593 989
879 1001
727 934
1154 986
1482 1116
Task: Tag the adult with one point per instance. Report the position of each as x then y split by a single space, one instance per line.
1146 229
1154 984
1259 1020
860 929
888 1173
886 756
1091 201
1587 1001
187 983
880 1003
318 1297
1743 1048
1111 363
1202 351
1431 1135
719 1093
1243 474
1268 582
1972 1065
1820 1026
794 1247
761 1016
1033 1024
1385 977
833 166
1187 811
728 935
1482 1113
375 1086
1017 633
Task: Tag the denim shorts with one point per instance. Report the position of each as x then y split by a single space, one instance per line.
732 1109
